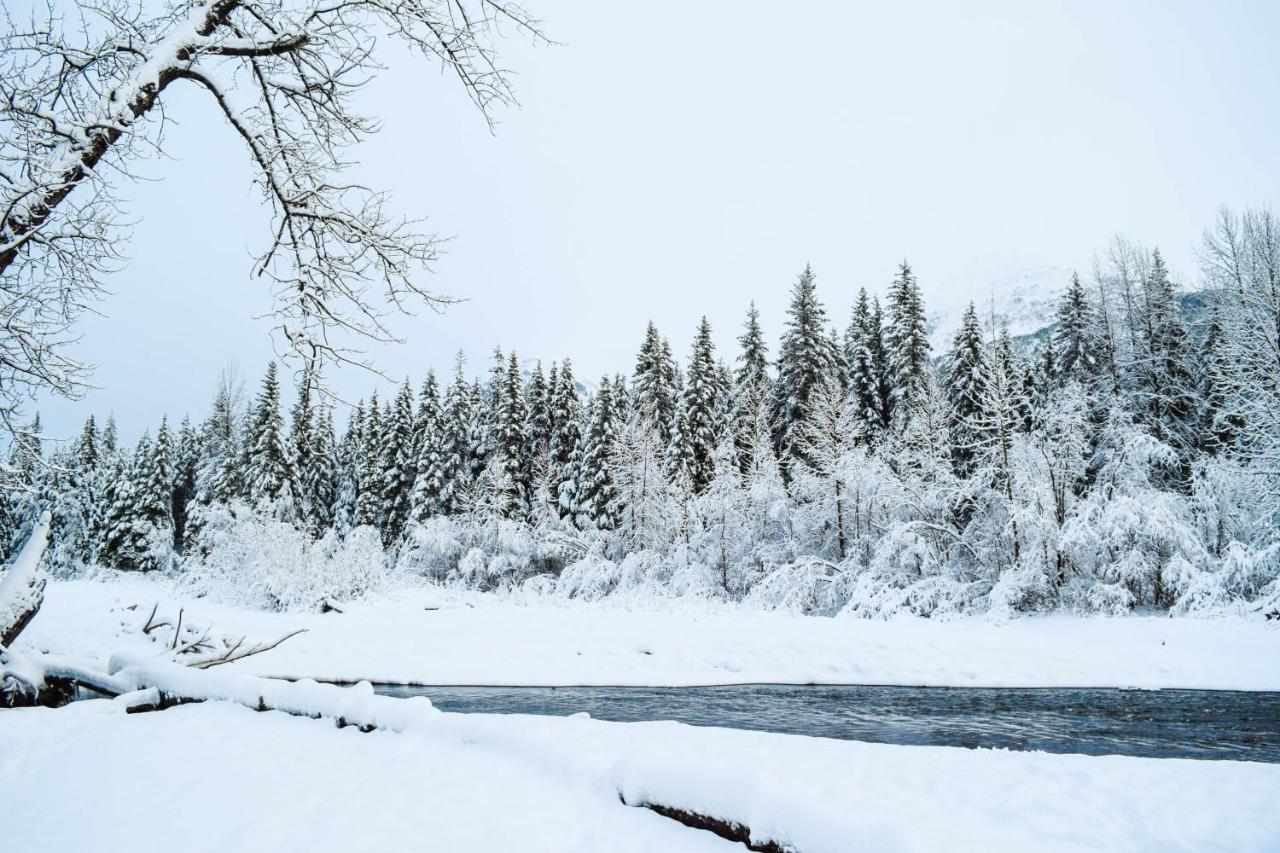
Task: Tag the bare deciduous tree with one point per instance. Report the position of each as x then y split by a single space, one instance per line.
81 97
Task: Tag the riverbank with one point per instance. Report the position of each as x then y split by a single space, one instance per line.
433 637
214 777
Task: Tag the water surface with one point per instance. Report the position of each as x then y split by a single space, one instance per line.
1158 724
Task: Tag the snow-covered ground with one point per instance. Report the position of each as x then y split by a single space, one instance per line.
221 777
217 777
427 636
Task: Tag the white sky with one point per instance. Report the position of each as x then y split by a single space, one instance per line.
678 159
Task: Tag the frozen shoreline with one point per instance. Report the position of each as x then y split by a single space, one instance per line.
428 637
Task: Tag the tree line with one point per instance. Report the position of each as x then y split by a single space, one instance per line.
1123 457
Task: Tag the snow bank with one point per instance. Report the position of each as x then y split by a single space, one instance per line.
432 637
213 777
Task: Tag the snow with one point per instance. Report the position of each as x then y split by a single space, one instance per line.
20 583
433 636
217 777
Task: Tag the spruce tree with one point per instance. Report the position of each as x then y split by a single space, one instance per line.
804 363
697 422
398 464
302 447
906 348
862 343
751 388
270 479
509 445
456 440
186 463
432 471
655 384
963 378
1073 345
594 492
566 435
537 425
370 511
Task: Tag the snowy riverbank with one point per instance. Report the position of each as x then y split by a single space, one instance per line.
431 637
215 777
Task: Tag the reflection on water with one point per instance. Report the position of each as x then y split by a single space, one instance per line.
1160 724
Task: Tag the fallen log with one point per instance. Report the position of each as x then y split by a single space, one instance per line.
727 830
22 585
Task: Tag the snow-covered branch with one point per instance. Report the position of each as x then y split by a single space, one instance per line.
80 100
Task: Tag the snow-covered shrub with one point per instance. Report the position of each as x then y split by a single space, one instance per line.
591 578
431 548
807 586
258 561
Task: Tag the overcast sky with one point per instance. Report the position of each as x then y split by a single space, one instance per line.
675 159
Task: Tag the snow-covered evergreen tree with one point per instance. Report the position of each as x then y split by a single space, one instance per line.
269 477
805 362
906 348
964 378
697 434
594 492
862 345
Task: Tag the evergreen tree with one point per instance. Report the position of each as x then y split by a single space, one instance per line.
751 388
186 462
1165 382
594 492
398 464
321 483
697 413
964 377
509 445
302 448
907 348
1072 342
346 502
566 436
804 363
537 425
456 440
655 384
862 343
270 479
370 511
433 467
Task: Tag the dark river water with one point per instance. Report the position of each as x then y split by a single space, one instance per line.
1159 724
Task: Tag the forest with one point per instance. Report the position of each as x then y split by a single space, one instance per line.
1122 458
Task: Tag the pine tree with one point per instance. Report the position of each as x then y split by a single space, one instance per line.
964 376
537 425
433 469
302 448
270 479
751 387
1166 385
804 363
456 440
370 511
862 343
398 465
186 462
594 493
697 413
566 436
346 500
321 483
907 348
509 445
1073 344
